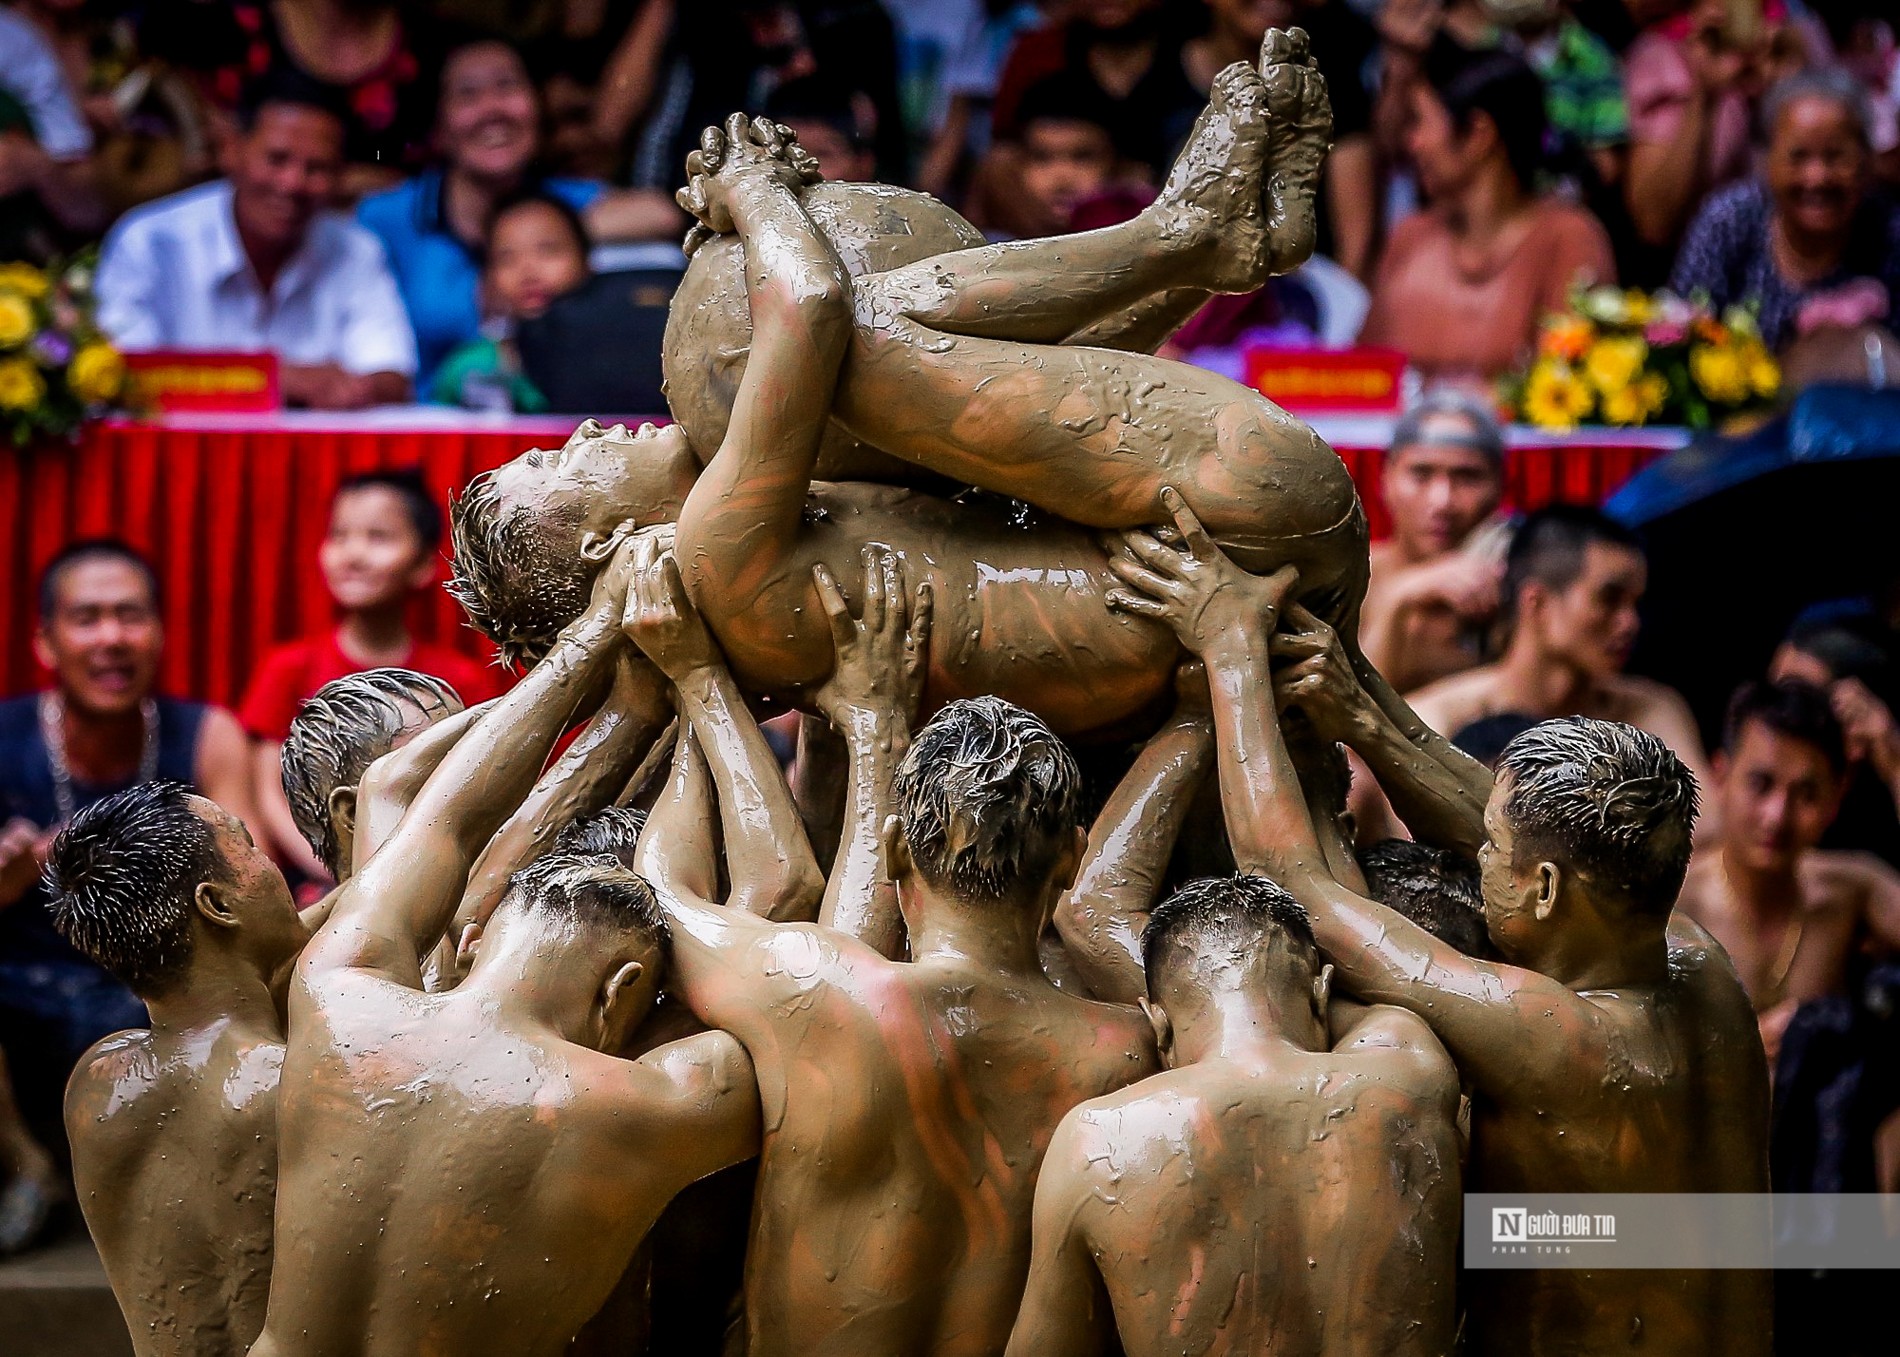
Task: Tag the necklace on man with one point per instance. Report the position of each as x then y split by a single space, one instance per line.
53 733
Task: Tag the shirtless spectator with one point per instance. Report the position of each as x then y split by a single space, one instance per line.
1791 916
174 1130
486 1129
1604 1054
1572 580
1857 675
1272 1190
1435 579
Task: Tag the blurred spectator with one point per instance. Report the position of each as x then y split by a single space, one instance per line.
536 251
1810 242
1859 679
958 123
1065 154
1486 738
1343 44
1461 287
379 553
1691 83
257 261
838 127
1790 917
32 1186
96 731
47 194
1572 580
1434 586
432 227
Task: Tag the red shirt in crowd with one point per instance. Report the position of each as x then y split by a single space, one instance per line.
295 670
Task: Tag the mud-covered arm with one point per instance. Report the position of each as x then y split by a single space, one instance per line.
591 772
1102 916
870 699
707 1101
398 905
388 785
768 858
1066 1310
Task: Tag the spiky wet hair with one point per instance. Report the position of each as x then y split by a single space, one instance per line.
592 889
338 732
120 880
1436 889
612 831
1235 910
1610 799
517 587
986 792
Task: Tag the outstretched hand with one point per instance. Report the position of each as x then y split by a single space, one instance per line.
744 147
882 655
1193 586
1312 675
661 619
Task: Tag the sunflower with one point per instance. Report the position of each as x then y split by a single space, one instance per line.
21 386
1613 363
1721 373
16 320
97 374
1555 397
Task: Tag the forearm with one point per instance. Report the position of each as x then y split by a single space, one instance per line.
1382 626
1666 178
1437 789
391 783
1267 819
860 898
1102 917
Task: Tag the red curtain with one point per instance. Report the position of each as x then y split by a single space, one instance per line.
232 520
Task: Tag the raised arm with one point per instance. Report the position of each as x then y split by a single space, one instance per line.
390 784
1065 1310
1102 916
768 858
399 903
870 699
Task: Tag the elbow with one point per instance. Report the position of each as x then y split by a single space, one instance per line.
794 899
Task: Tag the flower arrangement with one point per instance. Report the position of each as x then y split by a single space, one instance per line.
55 365
1630 358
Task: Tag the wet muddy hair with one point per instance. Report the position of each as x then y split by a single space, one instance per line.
120 880
591 889
1608 798
338 732
516 586
1799 711
1234 910
1435 889
612 831
988 795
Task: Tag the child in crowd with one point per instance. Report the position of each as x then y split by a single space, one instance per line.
1066 155
536 251
380 551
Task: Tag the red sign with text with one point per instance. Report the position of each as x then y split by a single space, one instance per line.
175 380
1328 381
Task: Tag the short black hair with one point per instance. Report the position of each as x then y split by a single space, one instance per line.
1499 85
120 880
1550 544
538 197
1844 649
408 485
818 99
1792 708
1238 909
612 831
1068 98
1485 438
1436 889
92 549
283 85
592 889
1485 738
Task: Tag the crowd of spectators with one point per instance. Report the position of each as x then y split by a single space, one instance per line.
279 174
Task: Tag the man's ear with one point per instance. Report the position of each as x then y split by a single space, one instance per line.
1163 1029
43 649
615 991
598 546
468 947
213 903
342 811
1550 883
894 845
1719 765
1323 994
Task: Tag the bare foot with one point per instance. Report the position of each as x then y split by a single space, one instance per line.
1299 132
1212 201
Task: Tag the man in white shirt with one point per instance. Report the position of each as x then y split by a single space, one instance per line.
258 261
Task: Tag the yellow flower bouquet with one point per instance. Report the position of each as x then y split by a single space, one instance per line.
56 367
1629 358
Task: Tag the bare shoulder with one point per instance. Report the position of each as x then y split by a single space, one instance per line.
112 1085
1640 701
1394 1045
1118 1040
1450 704
1105 1137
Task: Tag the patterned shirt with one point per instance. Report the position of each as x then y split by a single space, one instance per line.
1583 86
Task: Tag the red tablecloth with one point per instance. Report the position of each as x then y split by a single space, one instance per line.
232 515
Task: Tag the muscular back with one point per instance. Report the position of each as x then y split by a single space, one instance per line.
908 1108
175 1157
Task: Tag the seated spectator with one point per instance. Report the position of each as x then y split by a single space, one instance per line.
837 125
1858 677
1811 242
432 227
1572 580
1065 155
99 729
1461 287
257 261
47 193
536 251
379 553
1434 588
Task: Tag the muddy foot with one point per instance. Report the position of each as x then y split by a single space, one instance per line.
1212 203
1299 131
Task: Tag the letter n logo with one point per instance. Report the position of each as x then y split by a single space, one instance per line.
1507 1224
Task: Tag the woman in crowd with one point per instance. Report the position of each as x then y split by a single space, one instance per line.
1810 240
1461 286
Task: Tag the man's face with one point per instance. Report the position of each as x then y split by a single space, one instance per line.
283 172
488 123
1817 167
1778 796
1510 888
371 556
1437 493
533 258
257 892
840 160
103 639
1594 622
604 477
1064 163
